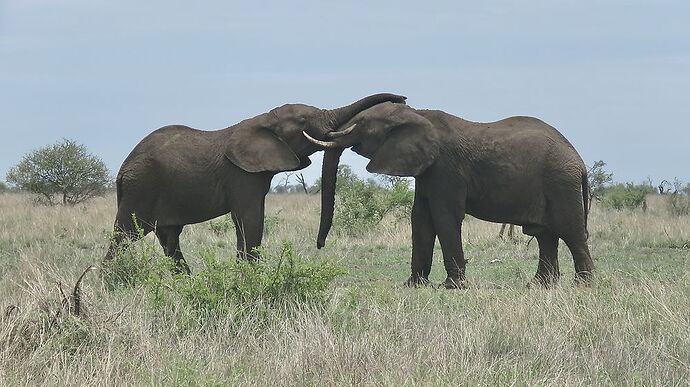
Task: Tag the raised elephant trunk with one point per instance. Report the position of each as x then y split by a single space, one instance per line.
338 117
329 176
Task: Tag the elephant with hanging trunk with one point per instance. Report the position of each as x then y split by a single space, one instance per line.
178 175
518 170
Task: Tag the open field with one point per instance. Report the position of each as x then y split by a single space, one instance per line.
630 327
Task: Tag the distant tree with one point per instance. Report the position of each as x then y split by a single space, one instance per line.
599 179
3 187
678 201
664 187
63 172
300 180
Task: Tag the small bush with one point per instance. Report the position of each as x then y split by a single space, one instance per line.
363 204
626 196
223 286
221 225
135 264
64 172
3 187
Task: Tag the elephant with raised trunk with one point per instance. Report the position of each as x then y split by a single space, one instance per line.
518 170
178 175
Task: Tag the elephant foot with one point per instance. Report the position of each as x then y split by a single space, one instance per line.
416 282
543 281
181 267
584 278
454 283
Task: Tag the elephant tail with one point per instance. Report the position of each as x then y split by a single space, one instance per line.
118 188
585 199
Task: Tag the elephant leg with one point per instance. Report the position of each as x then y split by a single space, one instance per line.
503 229
447 224
547 271
169 238
568 223
423 238
249 228
126 229
584 267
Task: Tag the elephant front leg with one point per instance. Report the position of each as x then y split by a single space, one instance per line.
249 228
423 238
448 227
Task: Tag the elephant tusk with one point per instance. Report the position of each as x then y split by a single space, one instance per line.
341 132
323 144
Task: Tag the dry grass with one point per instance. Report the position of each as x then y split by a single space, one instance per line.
632 326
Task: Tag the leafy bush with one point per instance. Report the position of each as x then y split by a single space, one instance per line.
363 204
135 264
221 225
224 286
627 196
3 187
65 170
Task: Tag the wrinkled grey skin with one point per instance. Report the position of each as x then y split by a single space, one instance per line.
518 170
178 175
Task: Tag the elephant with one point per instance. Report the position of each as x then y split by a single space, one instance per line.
518 170
178 175
511 231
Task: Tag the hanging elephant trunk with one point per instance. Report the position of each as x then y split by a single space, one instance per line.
329 176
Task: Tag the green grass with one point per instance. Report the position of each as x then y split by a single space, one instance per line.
630 327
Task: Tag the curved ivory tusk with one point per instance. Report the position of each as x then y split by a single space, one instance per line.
341 132
323 144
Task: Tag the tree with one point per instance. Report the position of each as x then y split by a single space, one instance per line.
3 187
64 169
598 180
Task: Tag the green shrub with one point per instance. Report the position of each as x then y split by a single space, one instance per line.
221 225
230 285
135 264
626 196
3 187
362 204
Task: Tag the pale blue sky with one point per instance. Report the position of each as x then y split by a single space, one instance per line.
613 76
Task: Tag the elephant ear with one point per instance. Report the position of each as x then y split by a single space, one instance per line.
410 146
258 149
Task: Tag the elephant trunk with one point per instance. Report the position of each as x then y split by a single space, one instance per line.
329 175
338 117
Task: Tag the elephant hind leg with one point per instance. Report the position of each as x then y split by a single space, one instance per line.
547 272
126 228
169 238
584 266
567 221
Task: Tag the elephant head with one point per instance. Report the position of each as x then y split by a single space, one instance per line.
395 138
273 141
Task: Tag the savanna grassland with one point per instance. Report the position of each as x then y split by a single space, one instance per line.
630 327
